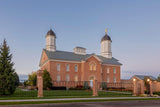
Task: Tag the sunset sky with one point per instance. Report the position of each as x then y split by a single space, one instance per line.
133 25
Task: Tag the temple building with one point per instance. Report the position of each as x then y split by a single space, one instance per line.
78 65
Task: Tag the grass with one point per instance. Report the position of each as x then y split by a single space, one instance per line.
70 101
48 94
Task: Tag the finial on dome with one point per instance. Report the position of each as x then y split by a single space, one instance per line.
105 31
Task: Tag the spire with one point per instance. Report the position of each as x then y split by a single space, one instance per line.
105 31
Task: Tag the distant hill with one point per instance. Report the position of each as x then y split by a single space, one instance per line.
22 78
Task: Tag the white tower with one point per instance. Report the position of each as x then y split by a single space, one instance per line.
106 46
50 41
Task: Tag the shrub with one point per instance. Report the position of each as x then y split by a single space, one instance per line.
85 86
104 85
157 93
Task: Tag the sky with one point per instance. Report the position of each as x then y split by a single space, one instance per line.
133 25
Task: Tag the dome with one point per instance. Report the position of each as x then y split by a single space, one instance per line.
106 37
50 32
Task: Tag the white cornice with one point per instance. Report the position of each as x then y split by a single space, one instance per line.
111 65
65 61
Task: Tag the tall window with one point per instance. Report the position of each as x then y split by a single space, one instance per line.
107 70
108 79
114 70
76 78
76 68
58 67
114 79
67 78
58 78
92 66
67 67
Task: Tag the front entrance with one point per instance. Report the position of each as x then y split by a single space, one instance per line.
91 81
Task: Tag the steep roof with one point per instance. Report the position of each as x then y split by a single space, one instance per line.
70 56
106 37
142 77
51 32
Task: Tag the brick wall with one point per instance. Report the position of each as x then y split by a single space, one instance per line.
155 86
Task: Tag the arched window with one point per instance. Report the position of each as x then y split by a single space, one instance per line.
92 66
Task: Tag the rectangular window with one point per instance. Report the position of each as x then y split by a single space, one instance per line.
58 78
58 67
76 68
67 67
107 79
114 79
107 70
67 78
114 70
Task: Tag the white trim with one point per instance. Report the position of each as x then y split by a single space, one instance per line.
74 67
67 65
58 67
114 80
114 70
95 57
65 61
111 65
44 63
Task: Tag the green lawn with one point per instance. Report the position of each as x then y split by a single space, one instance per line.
32 94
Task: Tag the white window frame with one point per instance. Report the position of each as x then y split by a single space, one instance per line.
114 79
76 68
67 78
92 66
67 67
58 78
108 70
114 70
58 67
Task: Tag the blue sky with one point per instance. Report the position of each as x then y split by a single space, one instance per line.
133 26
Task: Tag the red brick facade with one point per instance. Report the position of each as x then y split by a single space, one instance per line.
83 72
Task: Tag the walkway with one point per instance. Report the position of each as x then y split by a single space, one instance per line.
66 99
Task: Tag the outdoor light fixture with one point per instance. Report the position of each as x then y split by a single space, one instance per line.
134 79
148 80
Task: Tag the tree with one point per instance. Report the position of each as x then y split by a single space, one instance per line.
47 84
158 79
32 78
16 79
8 77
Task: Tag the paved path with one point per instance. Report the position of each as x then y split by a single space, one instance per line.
150 103
75 99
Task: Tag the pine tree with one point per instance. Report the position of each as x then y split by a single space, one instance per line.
8 77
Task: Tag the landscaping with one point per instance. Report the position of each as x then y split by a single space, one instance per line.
32 94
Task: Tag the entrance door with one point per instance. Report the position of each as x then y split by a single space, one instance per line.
91 81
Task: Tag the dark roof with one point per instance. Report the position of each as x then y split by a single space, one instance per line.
70 56
80 47
50 32
106 37
142 77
